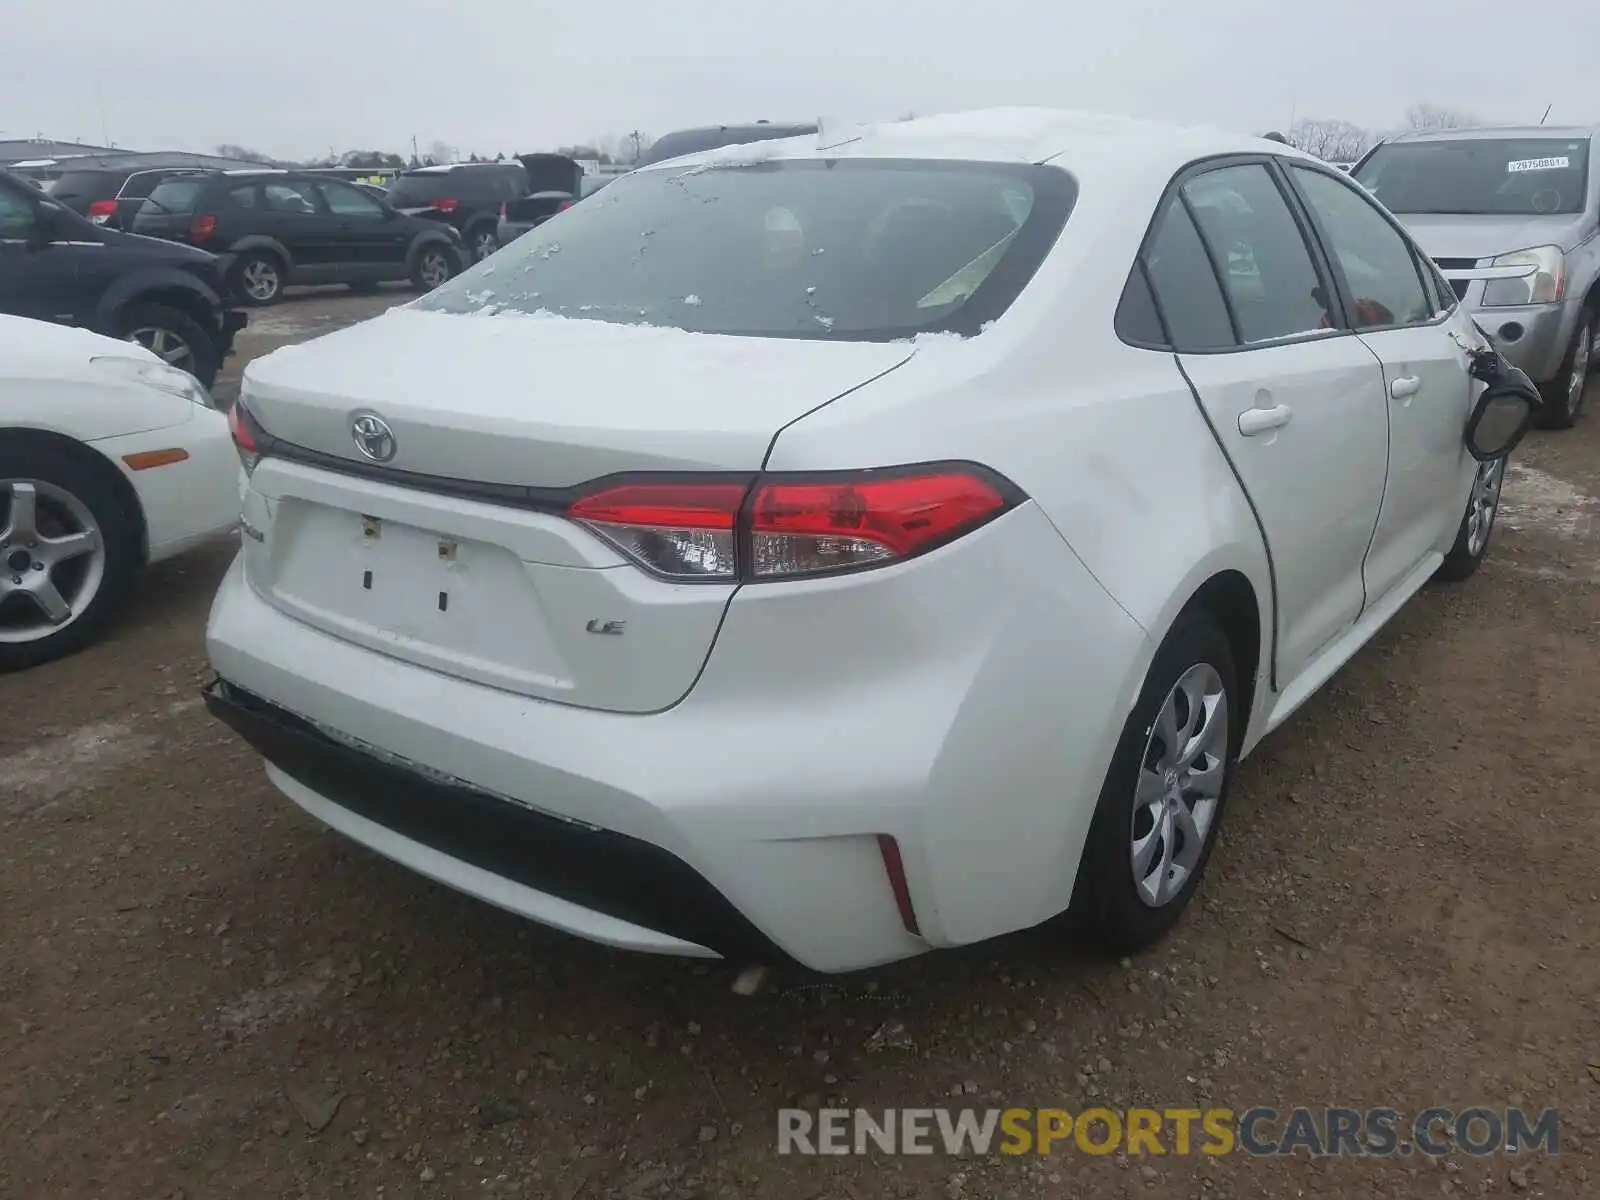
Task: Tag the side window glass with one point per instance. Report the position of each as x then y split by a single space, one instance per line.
347 202
1266 267
1185 284
1137 321
17 219
244 197
289 197
1376 260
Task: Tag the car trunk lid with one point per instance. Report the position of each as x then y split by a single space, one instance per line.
418 558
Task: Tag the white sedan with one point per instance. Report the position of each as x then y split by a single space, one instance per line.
960 500
109 460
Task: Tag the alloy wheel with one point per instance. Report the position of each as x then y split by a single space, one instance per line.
166 345
1484 504
434 270
260 279
1180 785
484 245
52 559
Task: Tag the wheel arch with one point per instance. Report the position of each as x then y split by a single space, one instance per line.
261 243
45 439
1229 598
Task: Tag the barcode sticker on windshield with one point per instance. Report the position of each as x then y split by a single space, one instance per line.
1538 164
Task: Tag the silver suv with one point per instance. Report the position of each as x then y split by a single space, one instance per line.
1512 218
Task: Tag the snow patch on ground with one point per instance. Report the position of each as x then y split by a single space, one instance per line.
1535 500
81 758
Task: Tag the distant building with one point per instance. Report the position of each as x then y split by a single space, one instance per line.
32 150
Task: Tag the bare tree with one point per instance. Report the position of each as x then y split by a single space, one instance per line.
1330 139
244 154
1437 116
441 152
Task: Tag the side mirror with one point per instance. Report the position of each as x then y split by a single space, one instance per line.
1499 421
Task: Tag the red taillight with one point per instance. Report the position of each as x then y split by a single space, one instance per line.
895 868
247 436
791 526
446 205
564 205
201 228
101 210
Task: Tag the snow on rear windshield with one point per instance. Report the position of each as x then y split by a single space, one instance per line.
854 249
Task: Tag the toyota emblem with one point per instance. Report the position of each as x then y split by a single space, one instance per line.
372 437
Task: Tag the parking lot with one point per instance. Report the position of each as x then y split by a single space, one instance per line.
203 994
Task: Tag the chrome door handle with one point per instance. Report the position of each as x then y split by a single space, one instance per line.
1406 385
1253 421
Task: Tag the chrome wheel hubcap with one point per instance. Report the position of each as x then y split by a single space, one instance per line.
1483 504
1180 785
165 345
487 244
434 270
260 280
52 559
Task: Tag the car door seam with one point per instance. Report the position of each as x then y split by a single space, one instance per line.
1388 458
1261 527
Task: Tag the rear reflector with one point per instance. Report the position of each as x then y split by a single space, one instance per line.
790 526
146 459
895 868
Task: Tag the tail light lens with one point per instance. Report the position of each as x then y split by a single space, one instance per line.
788 527
100 211
447 205
201 228
249 439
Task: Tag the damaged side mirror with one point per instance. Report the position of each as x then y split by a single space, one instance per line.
1505 407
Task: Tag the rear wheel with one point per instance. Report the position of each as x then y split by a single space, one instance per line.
1162 802
484 242
1563 396
432 266
69 552
175 338
258 278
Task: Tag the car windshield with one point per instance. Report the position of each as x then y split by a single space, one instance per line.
864 250
1490 176
173 196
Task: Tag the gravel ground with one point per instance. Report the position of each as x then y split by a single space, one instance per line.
204 994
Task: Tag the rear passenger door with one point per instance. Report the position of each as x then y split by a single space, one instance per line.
369 242
293 213
1296 402
1410 328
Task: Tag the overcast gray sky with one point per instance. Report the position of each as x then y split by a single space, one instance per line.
296 77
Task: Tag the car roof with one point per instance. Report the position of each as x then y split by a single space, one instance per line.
1481 132
447 168
1073 140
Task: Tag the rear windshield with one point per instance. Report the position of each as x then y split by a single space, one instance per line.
1489 176
695 141
419 189
413 191
87 185
853 249
173 196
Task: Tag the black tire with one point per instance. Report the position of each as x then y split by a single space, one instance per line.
482 241
420 262
1561 408
260 266
1106 901
142 321
1483 503
93 483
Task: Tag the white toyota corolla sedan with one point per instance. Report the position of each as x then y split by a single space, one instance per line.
841 547
110 460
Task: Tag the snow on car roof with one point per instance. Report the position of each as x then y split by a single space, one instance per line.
1022 135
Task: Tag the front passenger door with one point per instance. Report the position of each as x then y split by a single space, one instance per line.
1429 393
1295 402
38 274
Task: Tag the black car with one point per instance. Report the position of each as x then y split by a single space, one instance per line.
58 266
715 137
272 228
111 195
465 196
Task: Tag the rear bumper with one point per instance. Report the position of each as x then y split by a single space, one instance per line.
591 882
233 323
965 704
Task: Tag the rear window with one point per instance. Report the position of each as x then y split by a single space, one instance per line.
696 141
173 196
413 191
1480 176
853 249
87 185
